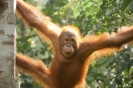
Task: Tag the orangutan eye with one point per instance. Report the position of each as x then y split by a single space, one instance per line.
66 40
72 40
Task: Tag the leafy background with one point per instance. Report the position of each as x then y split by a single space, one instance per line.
92 17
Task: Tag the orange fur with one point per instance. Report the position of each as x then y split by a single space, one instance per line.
36 66
64 73
72 28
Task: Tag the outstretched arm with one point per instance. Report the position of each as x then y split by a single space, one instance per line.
114 40
95 46
35 68
36 19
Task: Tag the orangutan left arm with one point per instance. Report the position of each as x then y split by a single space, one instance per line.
114 40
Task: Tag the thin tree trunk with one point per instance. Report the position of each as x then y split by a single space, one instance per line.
8 74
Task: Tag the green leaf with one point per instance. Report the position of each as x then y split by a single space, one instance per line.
124 5
131 7
76 12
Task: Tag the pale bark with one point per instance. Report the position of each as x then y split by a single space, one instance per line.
8 74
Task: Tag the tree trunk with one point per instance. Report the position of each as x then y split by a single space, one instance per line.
8 74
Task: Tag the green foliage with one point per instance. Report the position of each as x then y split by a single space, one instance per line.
92 17
113 72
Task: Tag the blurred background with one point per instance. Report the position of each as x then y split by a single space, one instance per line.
91 17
